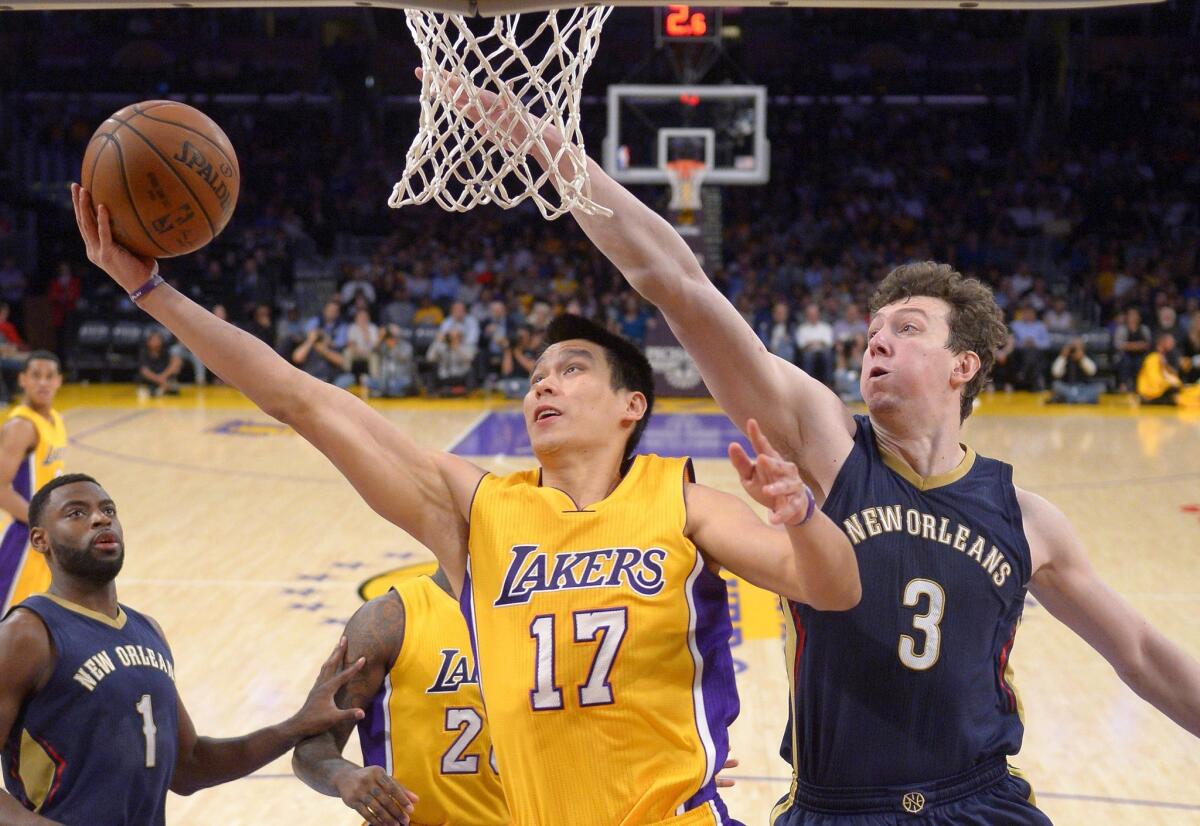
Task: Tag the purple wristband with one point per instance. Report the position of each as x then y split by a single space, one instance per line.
812 508
153 281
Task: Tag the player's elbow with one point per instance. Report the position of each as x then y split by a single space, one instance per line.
183 785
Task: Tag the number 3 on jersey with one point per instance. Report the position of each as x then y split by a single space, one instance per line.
609 626
927 622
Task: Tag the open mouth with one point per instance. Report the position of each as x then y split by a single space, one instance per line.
876 372
544 413
106 541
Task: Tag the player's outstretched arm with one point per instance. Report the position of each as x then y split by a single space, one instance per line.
803 416
206 761
25 661
376 634
810 561
1161 672
425 492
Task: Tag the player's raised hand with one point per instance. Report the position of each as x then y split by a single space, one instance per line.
129 270
502 119
771 480
376 796
319 712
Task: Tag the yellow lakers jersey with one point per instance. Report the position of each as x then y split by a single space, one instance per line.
426 726
23 571
603 647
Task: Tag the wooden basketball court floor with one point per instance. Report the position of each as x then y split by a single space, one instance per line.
250 550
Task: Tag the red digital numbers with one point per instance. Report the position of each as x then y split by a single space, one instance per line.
681 21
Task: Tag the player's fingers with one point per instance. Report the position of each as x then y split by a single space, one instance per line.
731 763
333 661
86 217
364 811
347 674
403 797
104 232
758 439
741 461
383 799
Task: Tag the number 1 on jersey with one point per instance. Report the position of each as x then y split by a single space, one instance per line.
597 691
146 707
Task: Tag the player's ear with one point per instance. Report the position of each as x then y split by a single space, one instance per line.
39 541
966 366
635 406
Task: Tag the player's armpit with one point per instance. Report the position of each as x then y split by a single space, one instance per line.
1067 585
813 564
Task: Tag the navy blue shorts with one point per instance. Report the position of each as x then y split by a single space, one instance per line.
988 795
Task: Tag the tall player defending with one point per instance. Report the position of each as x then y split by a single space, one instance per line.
600 628
92 727
32 443
907 690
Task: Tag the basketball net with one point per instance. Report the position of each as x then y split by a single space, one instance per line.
461 164
685 176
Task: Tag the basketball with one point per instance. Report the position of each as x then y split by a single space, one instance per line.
167 174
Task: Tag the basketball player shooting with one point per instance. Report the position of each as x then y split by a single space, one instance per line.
589 584
903 704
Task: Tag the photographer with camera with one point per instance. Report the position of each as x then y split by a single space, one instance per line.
1074 376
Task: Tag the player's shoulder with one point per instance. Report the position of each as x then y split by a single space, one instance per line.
1048 532
26 648
19 427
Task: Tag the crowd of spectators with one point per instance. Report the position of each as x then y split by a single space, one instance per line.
1090 239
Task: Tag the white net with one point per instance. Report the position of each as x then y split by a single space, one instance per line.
500 112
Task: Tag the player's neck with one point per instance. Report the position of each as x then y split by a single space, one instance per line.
583 476
40 409
99 598
929 447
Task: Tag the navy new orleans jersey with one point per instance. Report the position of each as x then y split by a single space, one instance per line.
912 685
97 744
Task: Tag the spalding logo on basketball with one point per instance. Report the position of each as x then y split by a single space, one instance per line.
167 174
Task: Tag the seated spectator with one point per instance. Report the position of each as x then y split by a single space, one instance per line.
1131 343
318 357
1074 376
362 337
356 286
157 368
400 310
330 323
517 363
1031 350
1058 319
467 325
1157 380
776 334
262 325
291 329
633 322
393 369
814 338
10 340
454 359
428 314
1189 359
494 337
850 336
